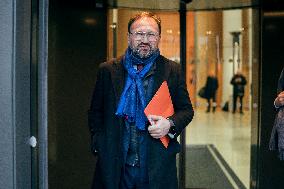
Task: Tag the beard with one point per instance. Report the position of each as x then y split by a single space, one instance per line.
143 50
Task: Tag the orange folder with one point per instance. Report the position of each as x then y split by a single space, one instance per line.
161 105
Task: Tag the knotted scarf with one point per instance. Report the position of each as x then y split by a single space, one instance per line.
133 101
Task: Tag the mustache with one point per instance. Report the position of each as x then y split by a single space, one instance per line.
142 43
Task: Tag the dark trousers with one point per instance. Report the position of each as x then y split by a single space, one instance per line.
134 178
209 103
235 98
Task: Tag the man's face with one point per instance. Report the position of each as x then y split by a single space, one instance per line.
144 37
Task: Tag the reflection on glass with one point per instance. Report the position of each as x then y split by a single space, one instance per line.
218 144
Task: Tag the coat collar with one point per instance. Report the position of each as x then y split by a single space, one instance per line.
161 73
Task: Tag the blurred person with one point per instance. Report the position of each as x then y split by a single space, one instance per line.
211 87
238 81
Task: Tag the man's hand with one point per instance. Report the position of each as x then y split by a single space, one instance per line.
159 126
279 101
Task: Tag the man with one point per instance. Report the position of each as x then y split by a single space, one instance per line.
238 81
129 152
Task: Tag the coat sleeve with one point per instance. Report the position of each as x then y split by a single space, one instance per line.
95 113
181 102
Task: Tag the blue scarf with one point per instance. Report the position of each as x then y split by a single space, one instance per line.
133 101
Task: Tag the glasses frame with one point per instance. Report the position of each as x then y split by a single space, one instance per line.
151 36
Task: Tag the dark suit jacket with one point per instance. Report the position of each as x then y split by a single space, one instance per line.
107 129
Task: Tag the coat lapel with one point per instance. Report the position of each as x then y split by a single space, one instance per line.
161 73
118 77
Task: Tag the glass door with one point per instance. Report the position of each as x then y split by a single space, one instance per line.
219 139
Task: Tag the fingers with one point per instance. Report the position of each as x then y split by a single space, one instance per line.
281 96
155 131
154 117
280 100
159 126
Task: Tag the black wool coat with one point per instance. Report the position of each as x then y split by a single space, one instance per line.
107 129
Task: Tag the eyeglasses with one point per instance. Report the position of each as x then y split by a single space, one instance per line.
151 36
